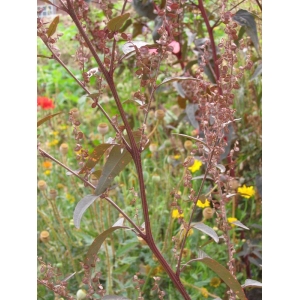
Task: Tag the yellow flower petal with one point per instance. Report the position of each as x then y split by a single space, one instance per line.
205 204
196 166
176 214
230 220
246 192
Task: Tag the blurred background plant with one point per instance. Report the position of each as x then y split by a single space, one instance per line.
64 246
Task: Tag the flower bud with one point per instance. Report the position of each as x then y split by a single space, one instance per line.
42 185
64 148
208 213
103 128
44 236
188 145
156 178
81 294
159 114
233 184
153 147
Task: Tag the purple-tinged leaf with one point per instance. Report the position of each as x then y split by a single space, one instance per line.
223 273
129 47
190 113
81 207
208 230
97 243
118 159
252 283
40 122
52 27
116 23
239 224
94 158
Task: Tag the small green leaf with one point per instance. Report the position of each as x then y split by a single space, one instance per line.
208 230
52 28
94 158
97 243
126 25
116 23
40 122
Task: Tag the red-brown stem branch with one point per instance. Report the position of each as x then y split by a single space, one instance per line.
211 37
193 211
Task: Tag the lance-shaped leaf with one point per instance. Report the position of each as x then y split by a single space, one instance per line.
257 72
223 273
116 23
246 19
114 297
208 230
94 158
40 122
252 283
97 243
118 159
81 207
239 224
52 28
178 78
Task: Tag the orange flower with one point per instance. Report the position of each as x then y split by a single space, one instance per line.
47 164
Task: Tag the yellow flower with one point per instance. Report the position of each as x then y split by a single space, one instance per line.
230 220
205 204
196 166
47 172
54 133
53 143
60 186
63 127
176 157
47 164
215 282
191 231
70 198
204 292
176 214
246 192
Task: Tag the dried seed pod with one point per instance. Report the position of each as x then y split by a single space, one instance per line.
103 128
94 180
159 114
208 213
153 147
42 185
53 194
233 184
188 145
75 113
64 148
44 236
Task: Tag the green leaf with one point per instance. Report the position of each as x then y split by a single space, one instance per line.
116 23
40 122
246 19
81 207
223 273
126 247
252 283
118 159
94 158
97 243
208 230
52 28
